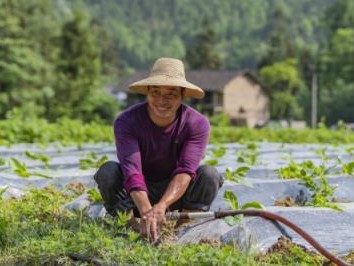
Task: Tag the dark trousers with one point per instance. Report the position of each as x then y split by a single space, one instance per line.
199 195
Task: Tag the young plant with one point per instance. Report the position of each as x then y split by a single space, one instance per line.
212 162
94 195
2 161
307 171
237 175
19 168
348 168
232 199
92 161
40 157
248 155
3 190
218 151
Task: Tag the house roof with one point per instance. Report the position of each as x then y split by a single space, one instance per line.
208 80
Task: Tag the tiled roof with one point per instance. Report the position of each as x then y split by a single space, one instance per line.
208 80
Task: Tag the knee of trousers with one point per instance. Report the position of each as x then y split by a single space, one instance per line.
109 174
210 176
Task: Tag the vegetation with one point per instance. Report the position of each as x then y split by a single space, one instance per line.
21 129
36 230
58 57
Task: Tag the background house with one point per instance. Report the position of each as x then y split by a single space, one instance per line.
239 94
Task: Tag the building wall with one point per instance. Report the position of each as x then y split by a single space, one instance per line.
245 102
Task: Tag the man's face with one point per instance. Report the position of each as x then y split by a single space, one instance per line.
163 102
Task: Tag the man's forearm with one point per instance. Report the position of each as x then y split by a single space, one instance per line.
175 190
141 201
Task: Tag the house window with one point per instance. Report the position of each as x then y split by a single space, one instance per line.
219 99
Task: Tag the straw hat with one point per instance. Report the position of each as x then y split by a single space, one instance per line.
167 72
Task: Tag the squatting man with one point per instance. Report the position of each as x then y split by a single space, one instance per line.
160 143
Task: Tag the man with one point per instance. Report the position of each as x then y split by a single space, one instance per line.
160 144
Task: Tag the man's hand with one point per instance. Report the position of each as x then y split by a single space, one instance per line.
151 222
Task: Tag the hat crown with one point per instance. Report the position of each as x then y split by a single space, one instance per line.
168 67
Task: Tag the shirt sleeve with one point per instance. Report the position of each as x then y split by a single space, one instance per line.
129 156
193 148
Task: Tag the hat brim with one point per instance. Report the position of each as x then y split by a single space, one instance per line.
191 90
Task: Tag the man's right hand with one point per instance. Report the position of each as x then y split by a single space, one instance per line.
151 217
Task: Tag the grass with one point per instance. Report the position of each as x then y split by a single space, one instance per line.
34 230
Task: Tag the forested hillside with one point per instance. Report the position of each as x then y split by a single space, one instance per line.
62 49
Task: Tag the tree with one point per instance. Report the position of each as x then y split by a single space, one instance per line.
79 71
285 81
340 15
281 45
23 70
203 54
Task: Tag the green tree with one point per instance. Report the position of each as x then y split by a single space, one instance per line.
23 70
281 45
285 81
79 93
203 54
340 15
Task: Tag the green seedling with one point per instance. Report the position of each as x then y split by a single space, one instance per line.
322 153
122 219
307 172
219 152
19 168
212 162
2 161
237 175
40 157
232 199
350 150
348 168
94 195
92 161
248 155
3 190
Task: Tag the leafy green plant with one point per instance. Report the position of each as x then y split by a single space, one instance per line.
348 168
232 199
94 195
37 156
211 162
92 161
3 190
307 171
122 219
219 151
237 175
21 169
350 150
2 161
248 154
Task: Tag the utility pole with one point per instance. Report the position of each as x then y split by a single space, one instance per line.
314 90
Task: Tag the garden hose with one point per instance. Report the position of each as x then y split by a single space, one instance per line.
263 214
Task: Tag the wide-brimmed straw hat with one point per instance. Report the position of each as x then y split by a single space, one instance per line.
167 72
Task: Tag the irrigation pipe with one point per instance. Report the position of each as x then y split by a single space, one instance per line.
263 214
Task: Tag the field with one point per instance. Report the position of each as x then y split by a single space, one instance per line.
46 167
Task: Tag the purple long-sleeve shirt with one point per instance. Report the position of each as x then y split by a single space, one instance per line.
149 152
